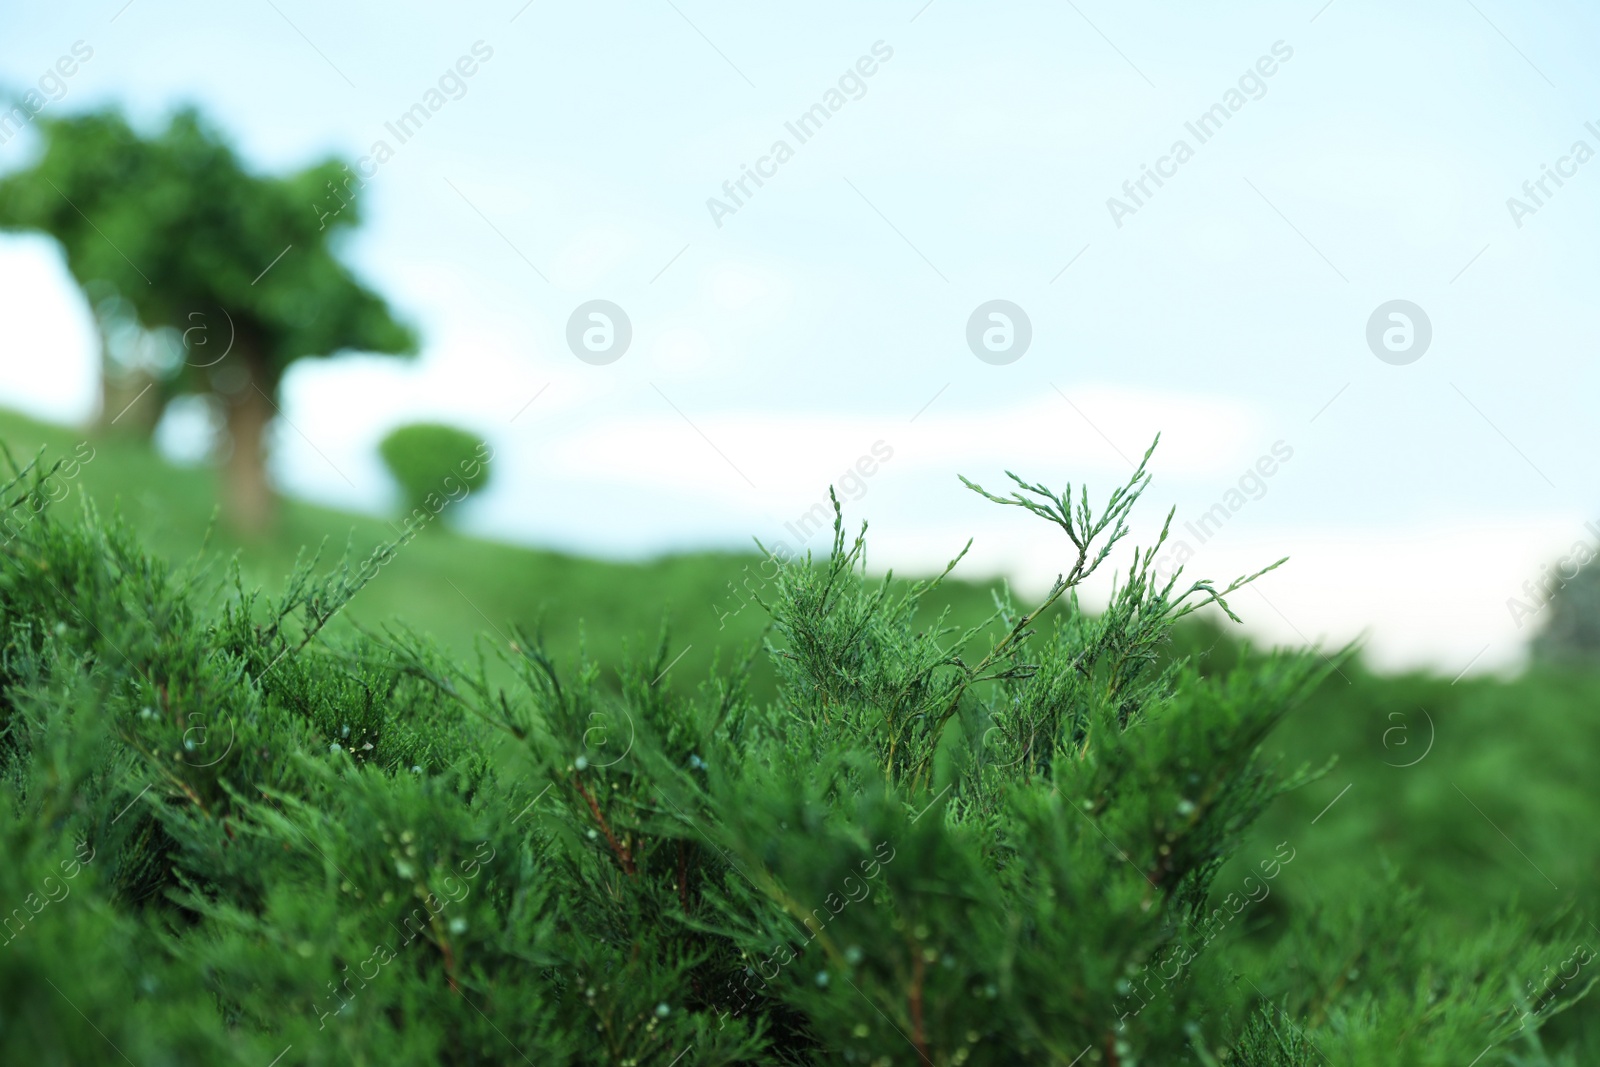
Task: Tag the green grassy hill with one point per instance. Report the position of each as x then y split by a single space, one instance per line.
448 585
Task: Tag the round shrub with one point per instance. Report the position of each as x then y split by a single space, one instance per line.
435 464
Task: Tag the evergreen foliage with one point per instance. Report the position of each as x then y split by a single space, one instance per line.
234 839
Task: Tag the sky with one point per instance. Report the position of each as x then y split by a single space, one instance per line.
1314 163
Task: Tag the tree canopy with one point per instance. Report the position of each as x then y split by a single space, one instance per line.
180 231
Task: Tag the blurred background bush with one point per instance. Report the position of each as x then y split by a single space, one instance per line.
433 463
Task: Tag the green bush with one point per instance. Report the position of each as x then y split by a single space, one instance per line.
232 839
434 466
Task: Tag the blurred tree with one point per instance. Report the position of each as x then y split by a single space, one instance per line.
229 276
1571 630
434 464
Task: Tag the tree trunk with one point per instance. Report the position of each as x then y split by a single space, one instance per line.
130 400
247 493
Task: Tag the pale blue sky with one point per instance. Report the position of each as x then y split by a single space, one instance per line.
772 352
